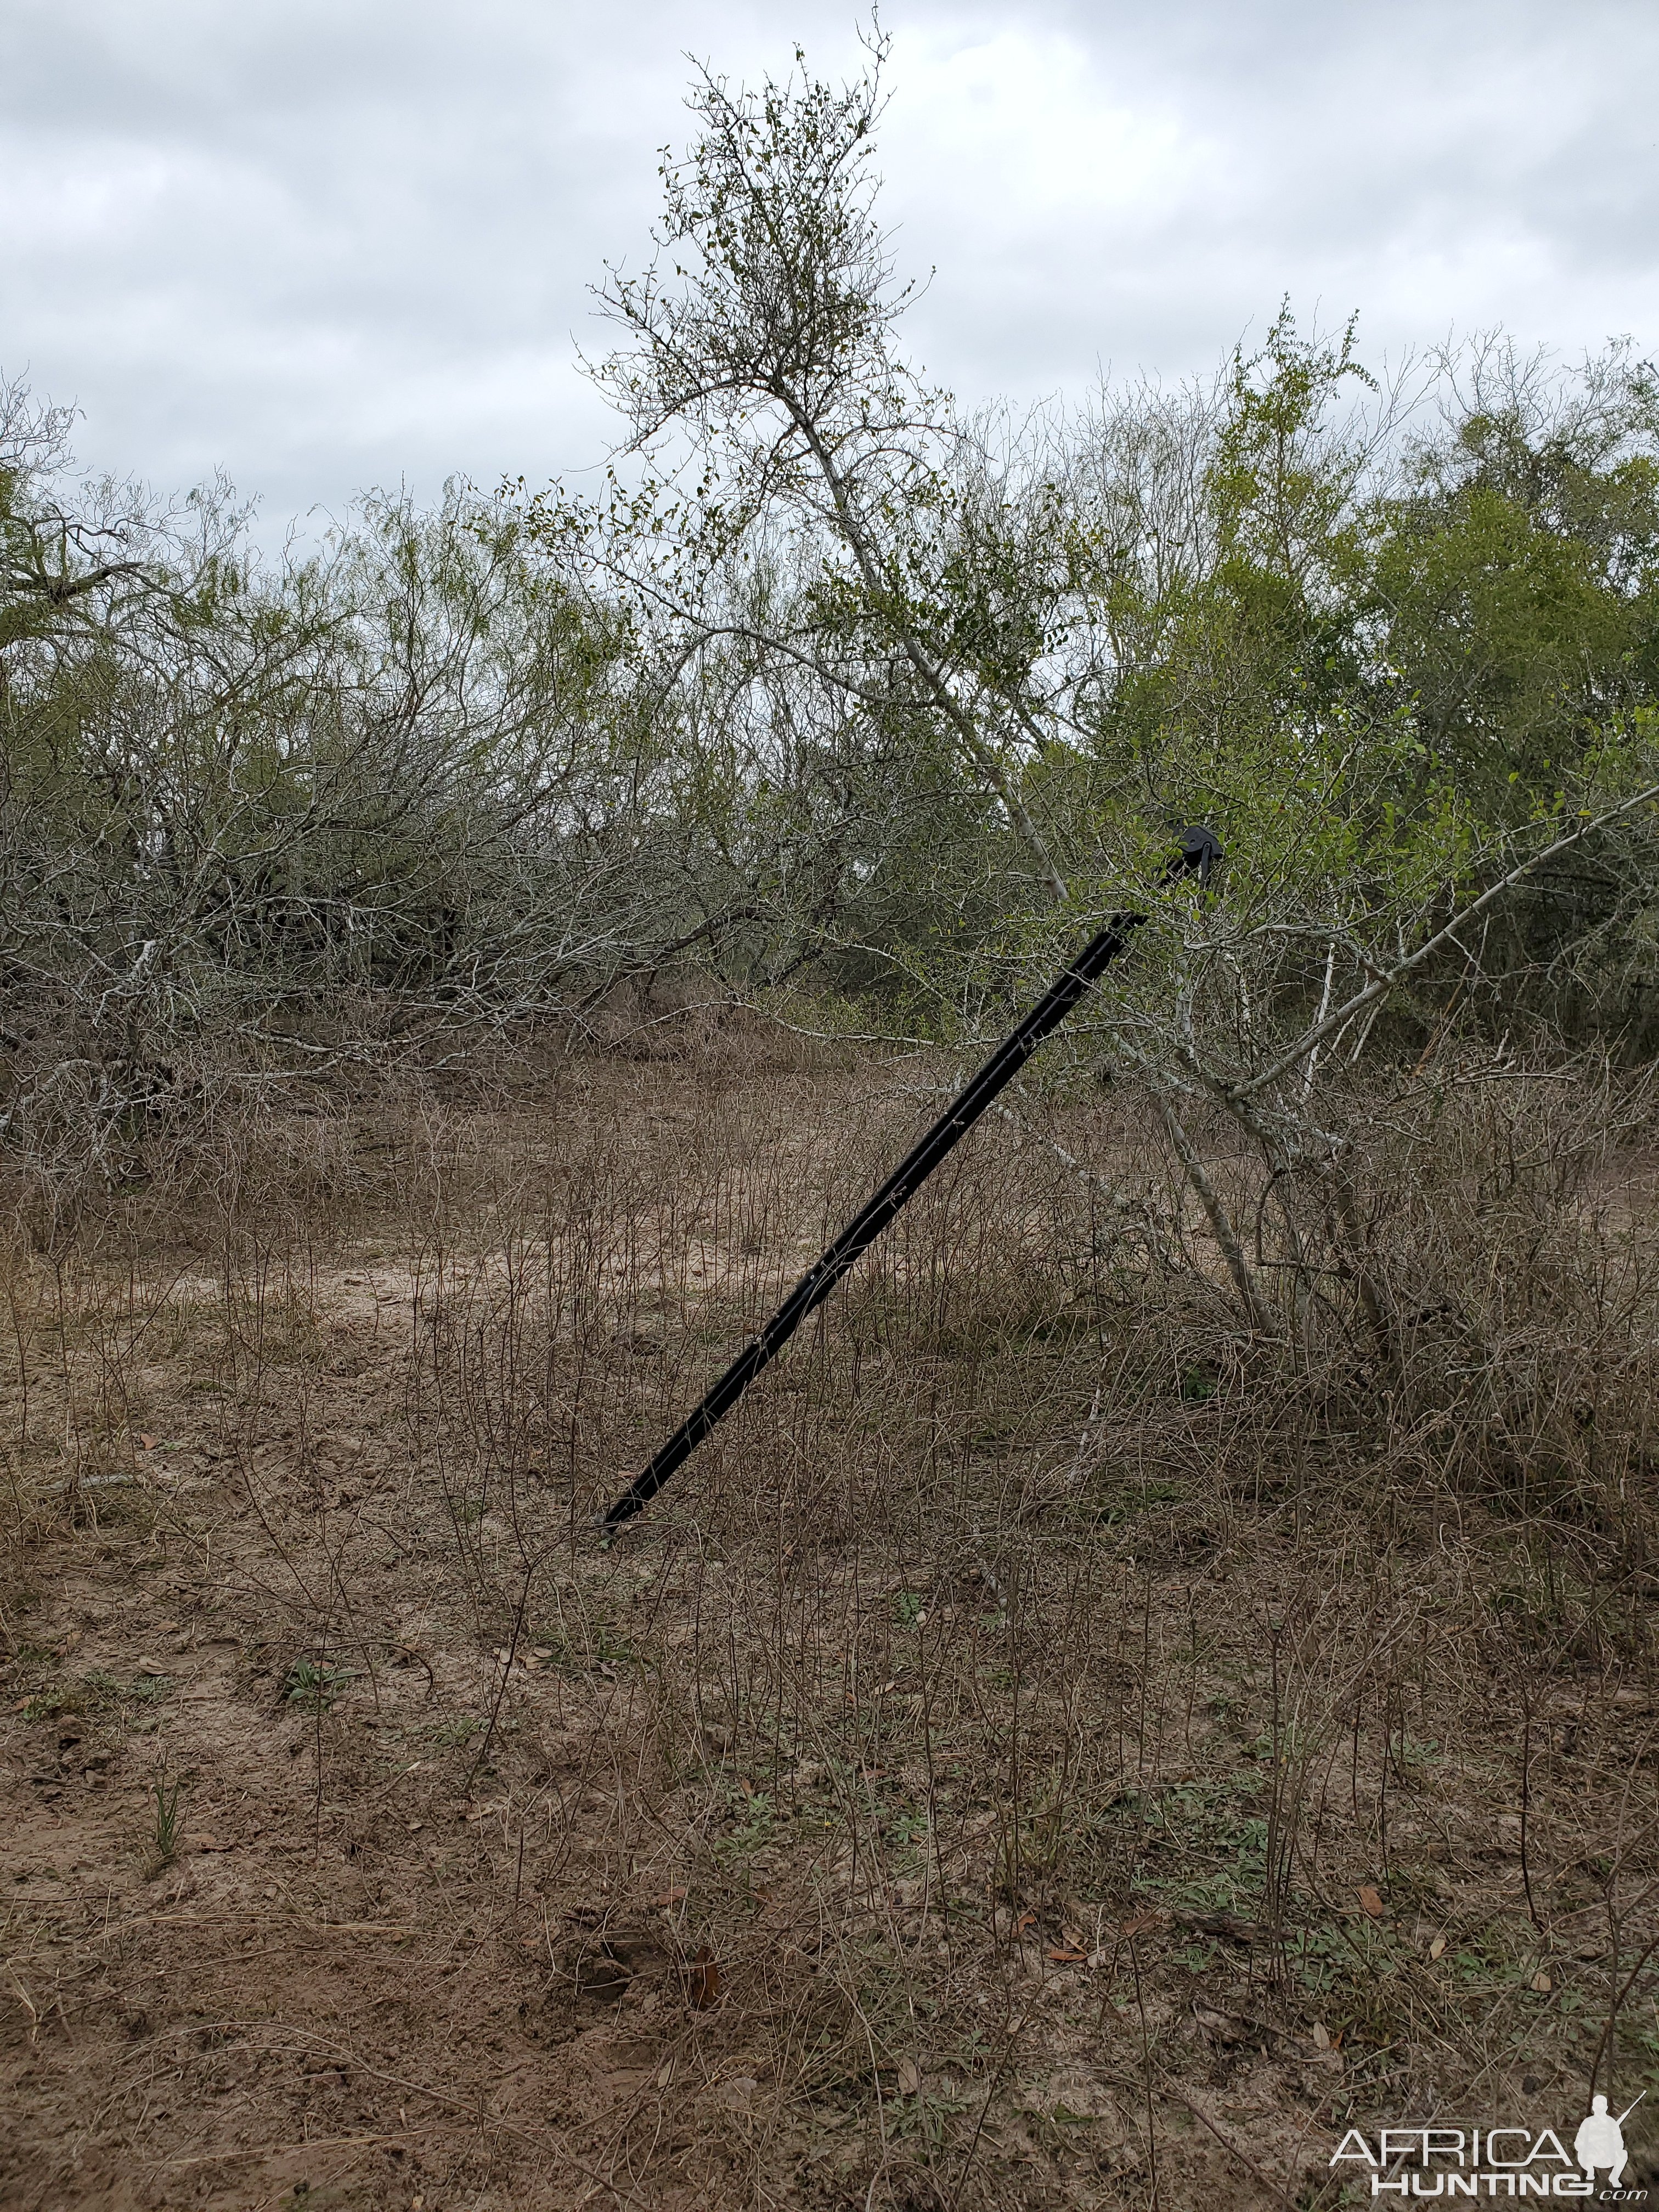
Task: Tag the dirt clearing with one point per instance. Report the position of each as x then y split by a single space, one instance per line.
1037 1754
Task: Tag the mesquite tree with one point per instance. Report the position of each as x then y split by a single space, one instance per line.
761 368
1204 615
268 823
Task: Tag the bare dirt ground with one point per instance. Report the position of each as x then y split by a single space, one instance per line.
943 1799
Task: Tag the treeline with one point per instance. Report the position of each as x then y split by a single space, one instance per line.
841 695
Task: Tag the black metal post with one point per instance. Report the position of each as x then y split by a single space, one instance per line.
1199 850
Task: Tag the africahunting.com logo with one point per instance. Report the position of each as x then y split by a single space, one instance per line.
1448 2161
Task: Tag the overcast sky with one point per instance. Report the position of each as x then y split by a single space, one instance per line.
326 243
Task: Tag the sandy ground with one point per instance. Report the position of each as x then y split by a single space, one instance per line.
375 1838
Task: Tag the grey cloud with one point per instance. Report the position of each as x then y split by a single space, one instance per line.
328 246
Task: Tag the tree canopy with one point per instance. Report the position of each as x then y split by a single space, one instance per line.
843 688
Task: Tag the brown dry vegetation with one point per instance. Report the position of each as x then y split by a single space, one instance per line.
1048 1749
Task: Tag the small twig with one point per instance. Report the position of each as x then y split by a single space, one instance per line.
28 2003
1083 1459
987 1573
1170 2088
1613 2009
1526 1801
1221 1220
506 1665
1146 2064
1387 979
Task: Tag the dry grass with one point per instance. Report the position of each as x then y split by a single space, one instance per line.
1048 1749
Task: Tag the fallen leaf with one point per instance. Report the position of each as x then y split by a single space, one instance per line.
1025 1920
147 1443
670 1897
1322 2036
1069 1958
704 1983
1370 1900
909 2077
1438 1948
1542 1984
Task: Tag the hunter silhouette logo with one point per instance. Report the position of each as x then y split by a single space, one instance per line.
1601 2140
1497 2161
